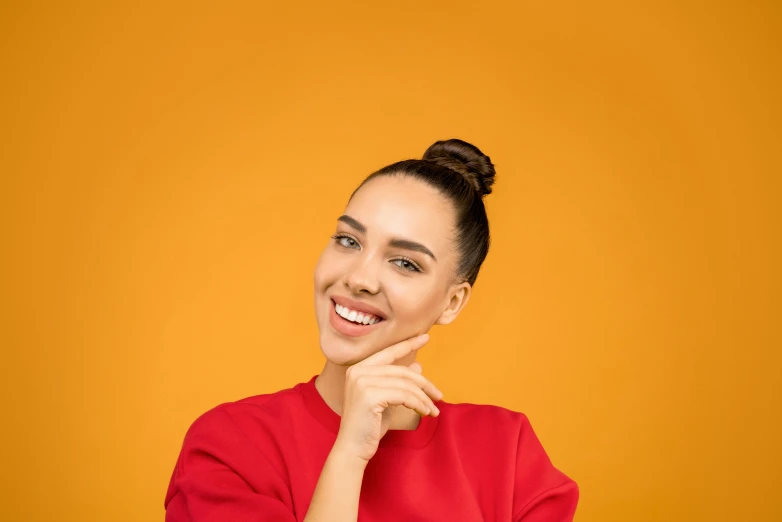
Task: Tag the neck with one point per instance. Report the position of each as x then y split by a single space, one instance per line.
331 386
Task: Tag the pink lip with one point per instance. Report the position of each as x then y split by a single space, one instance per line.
349 328
358 306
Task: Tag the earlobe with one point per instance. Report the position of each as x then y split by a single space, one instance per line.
459 295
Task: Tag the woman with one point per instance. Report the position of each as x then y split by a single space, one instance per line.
370 438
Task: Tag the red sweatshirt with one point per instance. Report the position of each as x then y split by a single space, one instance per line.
259 459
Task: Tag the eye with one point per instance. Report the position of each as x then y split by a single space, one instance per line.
346 241
406 264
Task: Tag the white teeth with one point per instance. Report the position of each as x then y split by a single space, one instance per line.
354 316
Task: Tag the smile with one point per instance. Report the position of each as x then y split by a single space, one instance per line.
354 316
352 323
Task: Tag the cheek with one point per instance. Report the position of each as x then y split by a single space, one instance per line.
413 303
326 271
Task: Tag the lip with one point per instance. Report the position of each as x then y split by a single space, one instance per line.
357 306
348 328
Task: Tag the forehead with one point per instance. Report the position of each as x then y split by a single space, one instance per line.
405 208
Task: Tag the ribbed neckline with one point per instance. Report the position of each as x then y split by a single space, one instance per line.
417 438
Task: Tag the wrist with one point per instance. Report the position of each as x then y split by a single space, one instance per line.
346 458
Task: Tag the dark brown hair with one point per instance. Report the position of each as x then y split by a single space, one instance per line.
464 175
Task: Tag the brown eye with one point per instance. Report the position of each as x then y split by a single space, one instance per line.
406 264
345 241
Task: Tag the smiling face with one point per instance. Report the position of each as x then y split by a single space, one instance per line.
391 265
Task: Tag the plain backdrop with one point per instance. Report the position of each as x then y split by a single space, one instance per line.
170 174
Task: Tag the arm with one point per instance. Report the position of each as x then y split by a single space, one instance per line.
337 492
213 475
557 504
336 495
220 476
542 493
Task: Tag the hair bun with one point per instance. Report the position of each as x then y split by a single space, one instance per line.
466 159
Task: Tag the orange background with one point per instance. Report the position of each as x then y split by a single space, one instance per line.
170 175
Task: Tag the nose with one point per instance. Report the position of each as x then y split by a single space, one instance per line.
363 276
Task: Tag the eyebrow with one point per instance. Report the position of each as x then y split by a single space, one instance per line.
398 243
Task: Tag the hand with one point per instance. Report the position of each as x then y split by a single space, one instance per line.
374 388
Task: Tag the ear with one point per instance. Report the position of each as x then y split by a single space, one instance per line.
458 296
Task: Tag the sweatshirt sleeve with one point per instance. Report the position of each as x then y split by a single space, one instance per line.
212 478
542 493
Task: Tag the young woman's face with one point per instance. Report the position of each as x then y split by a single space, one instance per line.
391 266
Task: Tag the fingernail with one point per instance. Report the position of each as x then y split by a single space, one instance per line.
424 337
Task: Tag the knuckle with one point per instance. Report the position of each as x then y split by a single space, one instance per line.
370 395
420 381
354 373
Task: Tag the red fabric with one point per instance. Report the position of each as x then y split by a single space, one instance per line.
259 459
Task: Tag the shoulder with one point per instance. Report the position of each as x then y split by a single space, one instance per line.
483 419
490 433
235 443
500 431
509 443
248 414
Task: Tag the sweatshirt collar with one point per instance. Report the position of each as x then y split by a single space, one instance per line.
417 438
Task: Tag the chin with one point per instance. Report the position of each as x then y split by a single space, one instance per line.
340 351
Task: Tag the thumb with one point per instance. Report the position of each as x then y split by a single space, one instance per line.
416 367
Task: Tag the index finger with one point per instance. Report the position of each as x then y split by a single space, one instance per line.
395 351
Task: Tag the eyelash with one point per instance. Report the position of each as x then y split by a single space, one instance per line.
337 237
413 264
